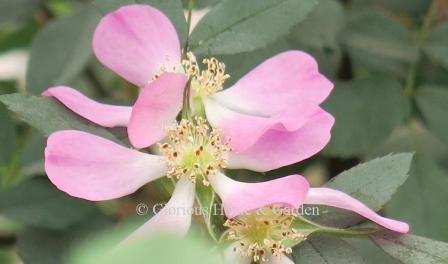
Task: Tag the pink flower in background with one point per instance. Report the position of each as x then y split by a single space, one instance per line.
262 227
272 114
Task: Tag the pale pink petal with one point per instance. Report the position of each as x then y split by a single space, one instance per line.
280 260
335 198
245 130
289 78
276 148
231 257
134 41
101 114
174 217
156 107
93 168
240 197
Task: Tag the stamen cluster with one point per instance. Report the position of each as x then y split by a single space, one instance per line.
205 82
263 233
195 151
165 67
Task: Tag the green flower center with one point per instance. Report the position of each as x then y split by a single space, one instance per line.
263 232
195 150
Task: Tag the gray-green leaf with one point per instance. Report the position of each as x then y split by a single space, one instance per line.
326 249
61 50
374 183
48 116
411 249
235 26
37 202
433 103
366 112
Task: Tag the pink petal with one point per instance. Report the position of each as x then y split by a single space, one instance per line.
240 197
245 130
276 148
93 168
101 114
289 78
175 217
134 40
156 107
326 196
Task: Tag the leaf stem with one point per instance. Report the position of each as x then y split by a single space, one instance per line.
420 39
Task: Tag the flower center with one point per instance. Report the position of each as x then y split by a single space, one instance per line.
195 150
205 82
262 232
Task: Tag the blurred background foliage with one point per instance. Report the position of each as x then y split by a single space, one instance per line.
388 59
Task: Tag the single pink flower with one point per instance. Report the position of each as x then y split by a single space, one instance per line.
272 114
264 232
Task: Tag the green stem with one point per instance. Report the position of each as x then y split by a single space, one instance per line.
190 7
339 231
420 39
186 109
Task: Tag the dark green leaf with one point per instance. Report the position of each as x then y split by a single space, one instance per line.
235 26
326 249
49 116
61 50
319 32
418 201
437 44
172 8
7 136
411 249
374 183
379 43
43 246
371 252
17 10
37 202
366 112
433 103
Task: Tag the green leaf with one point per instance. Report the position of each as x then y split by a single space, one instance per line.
172 8
436 46
412 6
235 26
61 50
411 249
325 249
424 191
37 202
318 34
210 209
17 10
371 252
378 42
374 183
48 116
366 112
432 101
43 246
7 136
153 249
